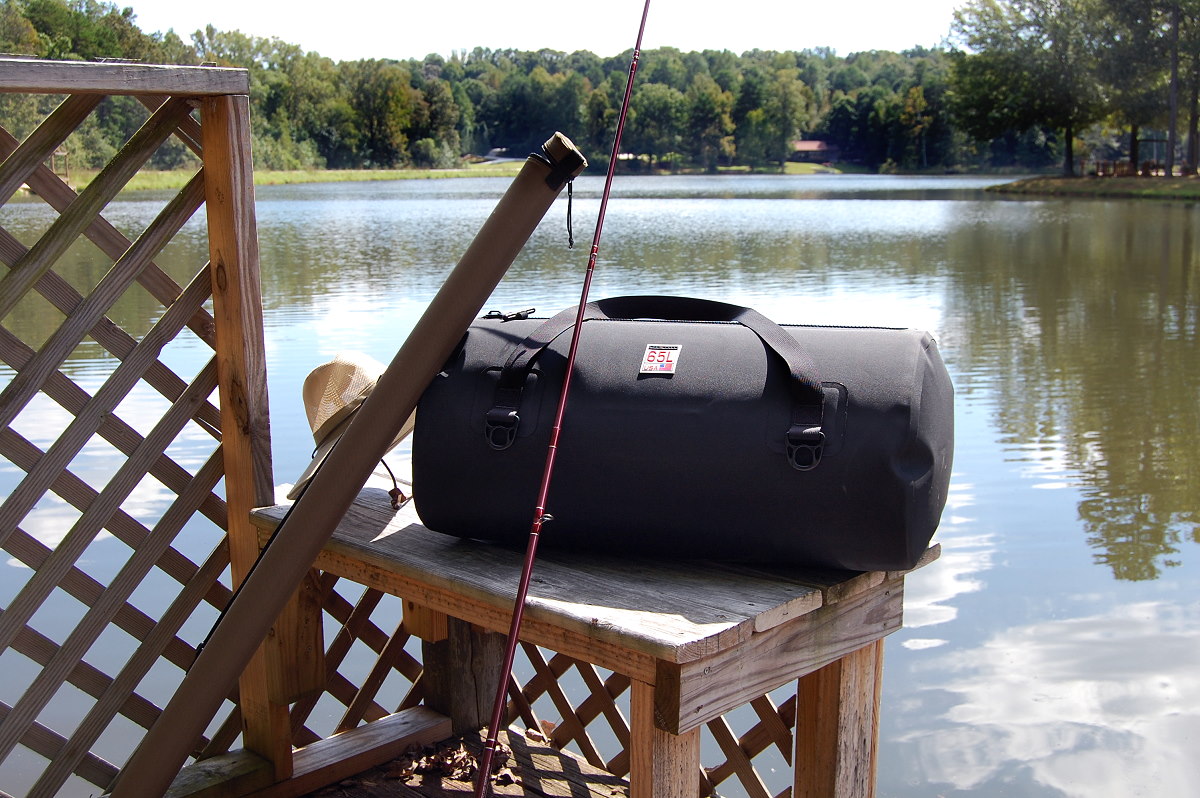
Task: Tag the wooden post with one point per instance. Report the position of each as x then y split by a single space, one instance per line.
837 726
242 375
661 765
462 673
295 647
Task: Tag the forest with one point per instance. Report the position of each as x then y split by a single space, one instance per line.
1018 84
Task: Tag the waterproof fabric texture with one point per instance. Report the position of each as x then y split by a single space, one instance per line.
693 429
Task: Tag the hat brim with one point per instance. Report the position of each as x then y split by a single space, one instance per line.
326 446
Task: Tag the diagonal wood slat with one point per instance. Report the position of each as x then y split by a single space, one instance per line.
43 141
80 495
101 613
571 729
73 221
121 688
105 400
393 657
87 591
46 742
87 313
738 758
111 241
60 294
84 530
114 430
86 677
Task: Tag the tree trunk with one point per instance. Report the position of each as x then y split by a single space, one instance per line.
1069 157
1172 134
1193 146
1134 148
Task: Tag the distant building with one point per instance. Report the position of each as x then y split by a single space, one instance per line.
815 151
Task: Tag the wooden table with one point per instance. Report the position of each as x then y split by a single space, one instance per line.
696 639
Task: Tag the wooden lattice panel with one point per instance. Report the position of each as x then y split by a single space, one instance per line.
116 546
603 700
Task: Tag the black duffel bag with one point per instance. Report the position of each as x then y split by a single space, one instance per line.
692 429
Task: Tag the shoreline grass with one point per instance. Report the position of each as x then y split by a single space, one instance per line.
173 180
1177 188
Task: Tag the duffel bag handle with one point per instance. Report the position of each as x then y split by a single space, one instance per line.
804 438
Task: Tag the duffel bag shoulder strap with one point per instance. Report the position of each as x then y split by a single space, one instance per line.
804 438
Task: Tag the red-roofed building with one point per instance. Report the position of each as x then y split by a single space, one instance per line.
815 151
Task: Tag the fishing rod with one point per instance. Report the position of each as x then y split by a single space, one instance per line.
540 516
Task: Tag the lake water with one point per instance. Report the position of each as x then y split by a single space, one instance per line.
1054 649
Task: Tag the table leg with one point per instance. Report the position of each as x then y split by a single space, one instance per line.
462 674
662 765
837 726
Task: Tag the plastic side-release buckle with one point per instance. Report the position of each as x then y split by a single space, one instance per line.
804 447
500 427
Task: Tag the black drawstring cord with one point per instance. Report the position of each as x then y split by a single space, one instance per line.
570 232
398 497
561 172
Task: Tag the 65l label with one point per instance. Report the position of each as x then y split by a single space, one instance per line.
660 358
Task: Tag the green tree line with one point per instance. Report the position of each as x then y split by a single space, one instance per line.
1023 82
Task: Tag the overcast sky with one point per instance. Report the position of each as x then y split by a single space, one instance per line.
353 29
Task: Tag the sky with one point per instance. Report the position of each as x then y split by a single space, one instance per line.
354 29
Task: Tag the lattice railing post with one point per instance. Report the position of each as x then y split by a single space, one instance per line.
241 370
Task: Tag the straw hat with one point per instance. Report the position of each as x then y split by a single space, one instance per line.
332 394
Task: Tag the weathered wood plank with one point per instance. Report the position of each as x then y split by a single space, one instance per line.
242 385
674 611
244 773
221 776
694 693
78 77
354 751
837 718
540 632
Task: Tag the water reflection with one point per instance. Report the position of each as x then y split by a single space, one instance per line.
1065 707
1087 328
